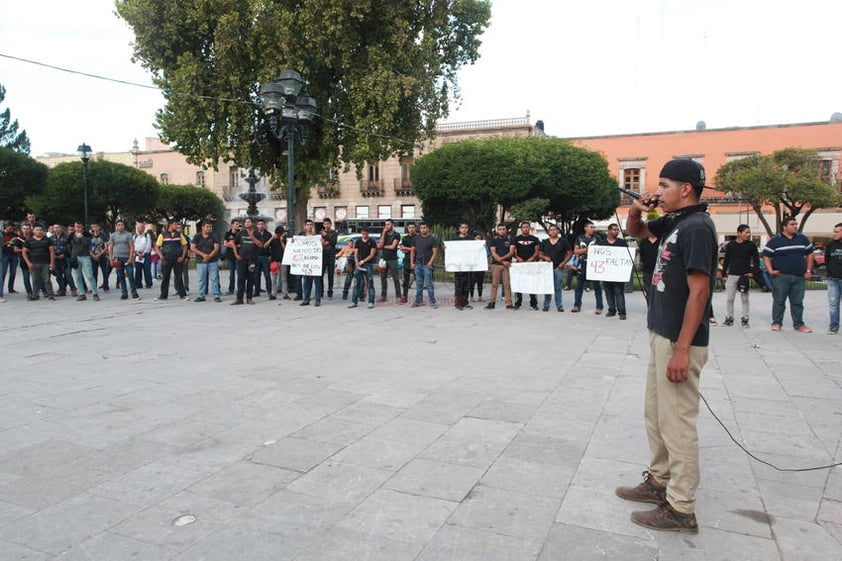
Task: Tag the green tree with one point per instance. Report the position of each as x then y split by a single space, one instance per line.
540 179
187 202
381 72
20 177
114 191
787 180
9 135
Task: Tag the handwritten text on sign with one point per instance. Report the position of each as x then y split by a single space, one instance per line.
468 255
532 278
607 263
304 255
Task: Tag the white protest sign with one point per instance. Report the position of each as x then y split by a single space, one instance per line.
468 255
608 263
305 255
532 278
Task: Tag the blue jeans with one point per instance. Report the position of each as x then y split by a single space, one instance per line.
580 287
788 286
424 277
85 268
4 264
834 289
126 271
205 270
558 277
10 266
363 275
308 281
262 268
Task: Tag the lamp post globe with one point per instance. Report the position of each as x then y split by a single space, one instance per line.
85 152
289 116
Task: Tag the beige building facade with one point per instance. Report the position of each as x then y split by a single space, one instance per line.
385 190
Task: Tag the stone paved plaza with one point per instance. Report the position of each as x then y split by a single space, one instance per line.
192 431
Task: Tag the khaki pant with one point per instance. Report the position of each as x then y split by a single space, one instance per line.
671 412
500 273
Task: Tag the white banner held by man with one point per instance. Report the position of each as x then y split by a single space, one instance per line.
532 278
463 256
304 256
607 263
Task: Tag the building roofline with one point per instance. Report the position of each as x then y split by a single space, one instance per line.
724 129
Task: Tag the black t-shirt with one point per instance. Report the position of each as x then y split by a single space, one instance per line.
364 250
648 254
690 244
226 252
388 239
833 259
424 248
584 241
276 250
502 246
619 242
555 251
245 245
9 243
741 258
525 246
39 250
332 238
407 243
205 245
264 238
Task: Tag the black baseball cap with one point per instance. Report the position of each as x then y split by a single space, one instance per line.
685 170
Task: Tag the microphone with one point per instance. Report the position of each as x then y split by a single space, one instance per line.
636 195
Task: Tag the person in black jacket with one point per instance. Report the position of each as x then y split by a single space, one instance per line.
740 265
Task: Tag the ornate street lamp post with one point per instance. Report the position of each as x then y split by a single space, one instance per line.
289 117
84 152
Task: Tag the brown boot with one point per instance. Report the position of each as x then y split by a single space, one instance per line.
650 491
61 293
665 519
74 292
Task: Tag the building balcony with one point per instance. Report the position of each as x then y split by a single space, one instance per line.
403 188
328 191
371 188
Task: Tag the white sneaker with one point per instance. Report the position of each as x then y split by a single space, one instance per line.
370 305
2 299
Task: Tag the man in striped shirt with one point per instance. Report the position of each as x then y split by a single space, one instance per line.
789 261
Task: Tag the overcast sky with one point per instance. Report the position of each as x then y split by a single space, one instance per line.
584 68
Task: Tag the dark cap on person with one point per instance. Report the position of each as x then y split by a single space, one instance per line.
279 230
685 170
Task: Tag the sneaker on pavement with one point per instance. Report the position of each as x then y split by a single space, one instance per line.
370 305
803 329
830 331
96 297
744 321
776 327
649 491
729 321
665 519
575 309
490 306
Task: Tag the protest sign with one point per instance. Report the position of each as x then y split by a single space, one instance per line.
304 256
608 263
462 256
532 278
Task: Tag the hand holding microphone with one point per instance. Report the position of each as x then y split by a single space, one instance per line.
647 202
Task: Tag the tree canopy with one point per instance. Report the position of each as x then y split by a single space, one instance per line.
381 71
186 202
10 136
20 177
114 191
788 180
541 179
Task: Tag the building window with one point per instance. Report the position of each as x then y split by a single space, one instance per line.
319 213
407 211
200 178
362 212
384 211
826 171
631 179
165 179
373 172
233 177
340 213
405 174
